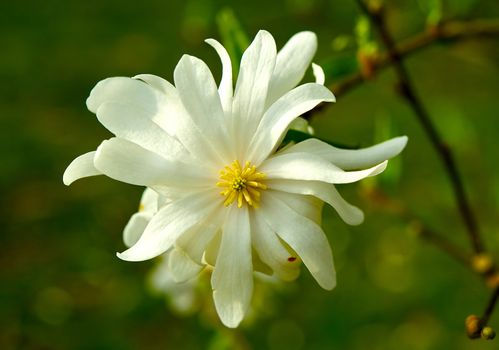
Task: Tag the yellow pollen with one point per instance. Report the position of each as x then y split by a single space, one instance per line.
241 184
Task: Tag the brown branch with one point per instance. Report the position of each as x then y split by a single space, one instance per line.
408 92
445 32
490 307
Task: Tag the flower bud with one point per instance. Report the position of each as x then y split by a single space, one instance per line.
488 333
473 326
482 263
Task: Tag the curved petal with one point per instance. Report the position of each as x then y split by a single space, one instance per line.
272 252
154 81
198 92
123 90
181 266
225 88
348 159
125 161
303 235
135 228
257 65
325 192
169 223
134 124
149 201
305 166
232 279
319 75
305 205
195 241
276 120
80 167
292 62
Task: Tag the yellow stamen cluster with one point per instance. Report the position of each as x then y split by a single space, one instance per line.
241 184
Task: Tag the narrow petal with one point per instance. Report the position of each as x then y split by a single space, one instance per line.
225 88
232 279
292 62
305 205
351 159
257 65
80 167
325 192
123 90
135 228
169 223
304 236
134 124
319 75
271 251
154 81
305 166
198 92
276 120
149 201
125 161
195 241
181 266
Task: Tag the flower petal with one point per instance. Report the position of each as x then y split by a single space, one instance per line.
195 241
257 65
125 161
304 236
123 90
306 166
276 120
225 88
305 205
135 228
80 167
198 92
135 124
181 266
292 62
169 223
154 81
325 192
232 279
319 75
348 159
271 251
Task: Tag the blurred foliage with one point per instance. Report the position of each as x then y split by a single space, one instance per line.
61 286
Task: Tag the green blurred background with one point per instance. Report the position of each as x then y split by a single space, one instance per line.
61 286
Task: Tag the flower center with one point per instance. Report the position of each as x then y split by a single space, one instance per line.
242 184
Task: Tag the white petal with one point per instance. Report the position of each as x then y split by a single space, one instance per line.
181 266
232 279
154 81
319 75
135 124
271 251
125 161
304 236
307 206
305 166
123 90
149 201
169 223
257 65
348 159
135 228
292 62
225 87
195 241
80 167
199 95
276 120
325 192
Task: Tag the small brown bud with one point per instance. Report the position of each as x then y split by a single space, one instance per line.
488 333
482 263
493 281
473 326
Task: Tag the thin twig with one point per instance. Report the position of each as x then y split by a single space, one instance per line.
445 32
407 90
490 306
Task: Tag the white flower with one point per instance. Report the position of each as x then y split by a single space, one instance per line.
235 200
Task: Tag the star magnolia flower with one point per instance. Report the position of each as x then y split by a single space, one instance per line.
235 201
